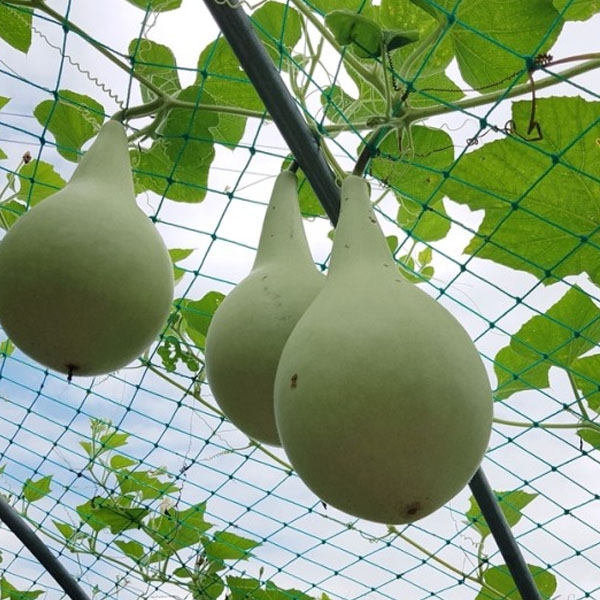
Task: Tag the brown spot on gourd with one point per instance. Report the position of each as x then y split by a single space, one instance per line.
413 508
294 380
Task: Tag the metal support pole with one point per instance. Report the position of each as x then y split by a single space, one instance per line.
33 543
237 29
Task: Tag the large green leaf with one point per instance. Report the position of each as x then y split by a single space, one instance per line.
541 200
326 6
106 513
73 119
278 26
487 44
511 503
416 176
501 581
144 483
187 133
586 374
577 10
177 529
156 5
403 14
568 329
37 180
225 545
155 171
223 82
156 63
15 26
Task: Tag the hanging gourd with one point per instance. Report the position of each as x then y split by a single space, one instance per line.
251 325
382 402
86 282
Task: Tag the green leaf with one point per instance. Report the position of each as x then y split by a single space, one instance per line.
578 10
434 89
274 592
67 531
176 255
156 5
8 590
570 328
228 546
187 133
500 580
113 439
6 349
586 375
591 436
131 549
224 83
341 107
511 503
404 15
353 29
37 180
73 119
198 313
3 101
246 588
425 256
118 461
326 6
279 27
537 219
36 489
155 171
416 176
183 572
100 513
309 203
489 47
174 530
15 26
428 7
207 587
3 154
144 483
157 64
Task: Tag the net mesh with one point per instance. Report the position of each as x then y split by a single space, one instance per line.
136 480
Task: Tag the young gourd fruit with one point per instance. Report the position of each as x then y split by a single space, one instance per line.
86 282
382 402
251 325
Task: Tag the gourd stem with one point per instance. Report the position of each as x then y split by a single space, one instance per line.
33 543
259 68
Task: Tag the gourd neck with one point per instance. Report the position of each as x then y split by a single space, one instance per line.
282 235
106 164
359 241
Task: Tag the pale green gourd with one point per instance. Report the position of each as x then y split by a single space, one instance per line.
86 282
251 325
382 402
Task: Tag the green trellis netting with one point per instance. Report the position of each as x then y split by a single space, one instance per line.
482 127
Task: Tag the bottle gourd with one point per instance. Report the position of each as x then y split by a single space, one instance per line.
250 327
86 282
382 402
